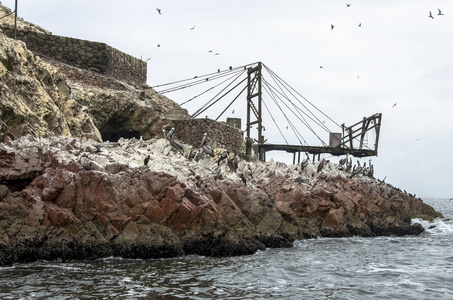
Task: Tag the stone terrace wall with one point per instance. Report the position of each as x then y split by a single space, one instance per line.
220 135
92 56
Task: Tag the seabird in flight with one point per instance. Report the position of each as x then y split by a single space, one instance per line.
440 13
430 15
158 10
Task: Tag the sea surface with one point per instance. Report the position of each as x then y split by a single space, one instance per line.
413 267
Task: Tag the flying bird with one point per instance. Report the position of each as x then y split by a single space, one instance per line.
232 111
440 13
192 28
348 5
430 15
394 105
360 24
331 26
158 45
158 10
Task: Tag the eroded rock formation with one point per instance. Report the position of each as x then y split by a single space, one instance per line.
51 207
66 192
42 96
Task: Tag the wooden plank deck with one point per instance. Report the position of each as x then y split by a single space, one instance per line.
336 151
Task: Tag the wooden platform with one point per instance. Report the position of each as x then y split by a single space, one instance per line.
315 150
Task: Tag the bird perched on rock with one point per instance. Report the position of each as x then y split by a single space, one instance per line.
222 156
305 162
146 160
243 178
348 165
175 145
356 171
321 165
232 163
88 167
343 160
170 134
206 149
196 157
189 155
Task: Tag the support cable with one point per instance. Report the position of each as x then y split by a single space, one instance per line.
270 71
311 129
211 88
206 106
7 14
317 121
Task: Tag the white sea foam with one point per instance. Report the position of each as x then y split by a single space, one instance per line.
438 226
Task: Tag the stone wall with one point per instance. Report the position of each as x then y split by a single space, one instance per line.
92 56
220 135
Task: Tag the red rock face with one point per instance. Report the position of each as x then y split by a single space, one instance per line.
53 208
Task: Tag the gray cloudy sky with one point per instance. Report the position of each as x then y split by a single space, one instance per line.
398 55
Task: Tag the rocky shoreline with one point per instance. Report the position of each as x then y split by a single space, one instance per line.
53 208
67 194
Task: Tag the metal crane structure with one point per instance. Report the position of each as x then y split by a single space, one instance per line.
351 140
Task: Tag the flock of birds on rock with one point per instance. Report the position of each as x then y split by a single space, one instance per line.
345 164
232 161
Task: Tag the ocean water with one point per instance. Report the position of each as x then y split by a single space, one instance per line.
413 267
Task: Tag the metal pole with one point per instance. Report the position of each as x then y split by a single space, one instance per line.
15 20
260 99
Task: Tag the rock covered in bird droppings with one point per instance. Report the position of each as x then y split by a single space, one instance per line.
51 207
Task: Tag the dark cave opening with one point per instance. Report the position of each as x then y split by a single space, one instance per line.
116 128
115 135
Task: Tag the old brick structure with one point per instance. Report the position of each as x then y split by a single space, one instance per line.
93 56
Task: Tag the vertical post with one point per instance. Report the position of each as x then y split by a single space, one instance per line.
377 128
248 140
362 133
249 92
254 90
260 126
15 20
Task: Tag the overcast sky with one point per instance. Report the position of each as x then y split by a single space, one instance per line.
398 55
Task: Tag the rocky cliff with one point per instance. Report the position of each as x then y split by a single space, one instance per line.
66 198
43 97
74 185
